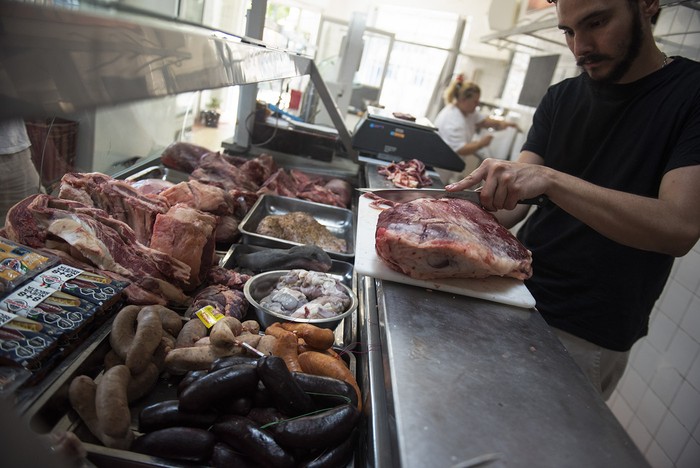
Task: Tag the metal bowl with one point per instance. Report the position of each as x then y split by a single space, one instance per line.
260 286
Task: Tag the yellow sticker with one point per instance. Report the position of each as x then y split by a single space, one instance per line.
209 315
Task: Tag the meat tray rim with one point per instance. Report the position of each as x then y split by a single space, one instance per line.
267 317
269 204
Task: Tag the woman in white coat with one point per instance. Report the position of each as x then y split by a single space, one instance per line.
458 122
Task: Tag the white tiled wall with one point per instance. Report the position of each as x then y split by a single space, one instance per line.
658 399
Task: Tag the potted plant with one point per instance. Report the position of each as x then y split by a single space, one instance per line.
211 115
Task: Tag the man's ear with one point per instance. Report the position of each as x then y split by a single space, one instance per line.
649 7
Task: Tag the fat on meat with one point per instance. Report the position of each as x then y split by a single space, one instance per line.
203 197
448 238
151 186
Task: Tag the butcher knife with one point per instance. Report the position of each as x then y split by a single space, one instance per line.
406 195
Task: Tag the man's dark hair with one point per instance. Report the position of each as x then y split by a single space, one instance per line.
555 1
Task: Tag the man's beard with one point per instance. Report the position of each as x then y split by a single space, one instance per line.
633 48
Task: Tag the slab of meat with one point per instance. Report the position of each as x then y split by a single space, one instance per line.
409 174
187 234
243 201
448 238
183 156
102 241
214 169
143 290
227 231
259 169
204 197
151 186
280 183
302 228
225 277
229 302
118 198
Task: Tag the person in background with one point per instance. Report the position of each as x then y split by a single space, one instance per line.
18 176
617 152
459 121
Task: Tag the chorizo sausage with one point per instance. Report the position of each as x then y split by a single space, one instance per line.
316 363
111 402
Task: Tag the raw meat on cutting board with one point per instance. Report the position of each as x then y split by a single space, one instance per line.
448 238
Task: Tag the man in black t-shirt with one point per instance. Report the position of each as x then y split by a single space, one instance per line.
617 151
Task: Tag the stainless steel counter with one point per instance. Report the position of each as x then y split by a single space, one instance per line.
454 378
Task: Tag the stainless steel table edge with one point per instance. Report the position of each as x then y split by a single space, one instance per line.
376 446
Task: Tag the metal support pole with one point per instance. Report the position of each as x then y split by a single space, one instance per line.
249 93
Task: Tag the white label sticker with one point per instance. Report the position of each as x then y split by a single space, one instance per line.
56 276
5 317
26 298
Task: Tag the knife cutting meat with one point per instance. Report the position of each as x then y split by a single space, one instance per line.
406 195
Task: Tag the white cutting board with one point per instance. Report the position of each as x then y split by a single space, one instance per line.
494 288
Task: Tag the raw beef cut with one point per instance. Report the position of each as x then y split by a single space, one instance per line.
259 169
203 197
280 183
151 186
102 241
183 156
118 198
409 174
448 238
214 169
229 302
186 234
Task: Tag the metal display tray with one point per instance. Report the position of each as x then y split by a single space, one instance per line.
52 411
157 171
346 332
339 221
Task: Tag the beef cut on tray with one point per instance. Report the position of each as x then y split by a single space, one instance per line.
448 238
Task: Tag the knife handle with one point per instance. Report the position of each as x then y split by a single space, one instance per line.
539 201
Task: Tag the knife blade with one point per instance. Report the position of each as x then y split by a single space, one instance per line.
406 195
